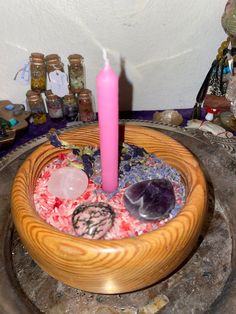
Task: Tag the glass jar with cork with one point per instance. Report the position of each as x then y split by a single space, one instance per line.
70 106
76 73
86 105
54 105
37 72
53 63
36 105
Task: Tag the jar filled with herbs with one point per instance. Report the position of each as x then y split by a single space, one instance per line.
70 106
35 104
86 105
37 72
54 105
76 73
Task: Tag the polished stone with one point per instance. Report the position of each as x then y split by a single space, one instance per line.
150 199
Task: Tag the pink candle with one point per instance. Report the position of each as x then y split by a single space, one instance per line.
107 99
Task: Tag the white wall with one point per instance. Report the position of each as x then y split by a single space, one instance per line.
168 46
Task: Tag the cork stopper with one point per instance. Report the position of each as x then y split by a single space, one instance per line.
85 92
32 96
75 58
50 96
37 57
53 62
69 96
52 57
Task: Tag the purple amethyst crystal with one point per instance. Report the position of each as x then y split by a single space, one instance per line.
150 200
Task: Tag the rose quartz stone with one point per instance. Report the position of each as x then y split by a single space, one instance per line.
68 183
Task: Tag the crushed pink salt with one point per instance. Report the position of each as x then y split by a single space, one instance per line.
58 212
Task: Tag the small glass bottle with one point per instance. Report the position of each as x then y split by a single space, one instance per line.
56 77
54 105
53 63
70 106
76 73
37 72
86 105
35 104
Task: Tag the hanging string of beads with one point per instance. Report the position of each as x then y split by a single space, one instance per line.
222 50
219 79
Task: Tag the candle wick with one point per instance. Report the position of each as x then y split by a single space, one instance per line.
104 52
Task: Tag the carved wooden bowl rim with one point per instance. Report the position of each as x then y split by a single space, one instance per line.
100 265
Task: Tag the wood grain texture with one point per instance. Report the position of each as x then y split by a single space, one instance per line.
114 266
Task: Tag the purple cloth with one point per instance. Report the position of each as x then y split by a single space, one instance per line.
34 131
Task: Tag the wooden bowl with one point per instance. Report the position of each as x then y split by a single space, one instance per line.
111 266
